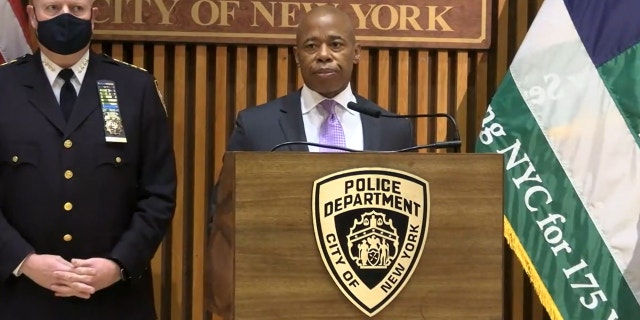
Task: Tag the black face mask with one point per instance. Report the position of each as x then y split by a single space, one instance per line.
64 34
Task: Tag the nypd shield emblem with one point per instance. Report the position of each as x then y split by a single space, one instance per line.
370 226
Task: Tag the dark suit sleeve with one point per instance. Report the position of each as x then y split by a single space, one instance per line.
239 141
399 133
407 135
13 248
156 188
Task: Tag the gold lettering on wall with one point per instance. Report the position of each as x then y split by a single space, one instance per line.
412 17
401 23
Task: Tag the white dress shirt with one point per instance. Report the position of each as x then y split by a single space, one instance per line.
313 117
51 70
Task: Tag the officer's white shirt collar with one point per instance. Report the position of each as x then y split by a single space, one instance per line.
51 69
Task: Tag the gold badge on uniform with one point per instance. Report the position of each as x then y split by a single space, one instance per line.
113 127
371 227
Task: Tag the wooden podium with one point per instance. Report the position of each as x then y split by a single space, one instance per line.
264 262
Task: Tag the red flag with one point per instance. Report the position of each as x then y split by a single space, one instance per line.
14 30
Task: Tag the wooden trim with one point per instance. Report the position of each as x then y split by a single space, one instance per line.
200 186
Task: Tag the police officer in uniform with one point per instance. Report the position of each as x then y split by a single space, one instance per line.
87 176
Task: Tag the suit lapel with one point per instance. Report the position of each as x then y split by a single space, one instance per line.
40 93
88 100
371 131
291 121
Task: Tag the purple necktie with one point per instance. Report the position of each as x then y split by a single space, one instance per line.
331 132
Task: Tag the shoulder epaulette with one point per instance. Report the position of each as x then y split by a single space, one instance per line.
127 64
8 62
13 61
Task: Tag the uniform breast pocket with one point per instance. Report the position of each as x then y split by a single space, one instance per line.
19 169
115 170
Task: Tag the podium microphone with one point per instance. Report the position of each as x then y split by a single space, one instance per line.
306 143
437 145
455 143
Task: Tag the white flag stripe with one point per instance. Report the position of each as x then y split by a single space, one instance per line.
13 43
592 142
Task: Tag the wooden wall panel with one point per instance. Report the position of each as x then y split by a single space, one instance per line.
262 75
461 111
382 87
443 90
179 231
500 44
240 78
204 86
221 110
117 51
402 80
202 143
363 76
422 91
282 70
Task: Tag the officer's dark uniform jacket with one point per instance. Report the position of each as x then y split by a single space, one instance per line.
65 191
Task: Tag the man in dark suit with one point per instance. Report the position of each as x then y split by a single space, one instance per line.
325 52
87 176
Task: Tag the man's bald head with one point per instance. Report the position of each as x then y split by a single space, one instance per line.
322 12
326 50
32 2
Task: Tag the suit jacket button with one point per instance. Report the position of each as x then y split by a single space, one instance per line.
15 159
68 206
68 174
68 143
67 238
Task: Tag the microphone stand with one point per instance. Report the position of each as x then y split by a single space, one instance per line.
436 145
306 143
379 113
